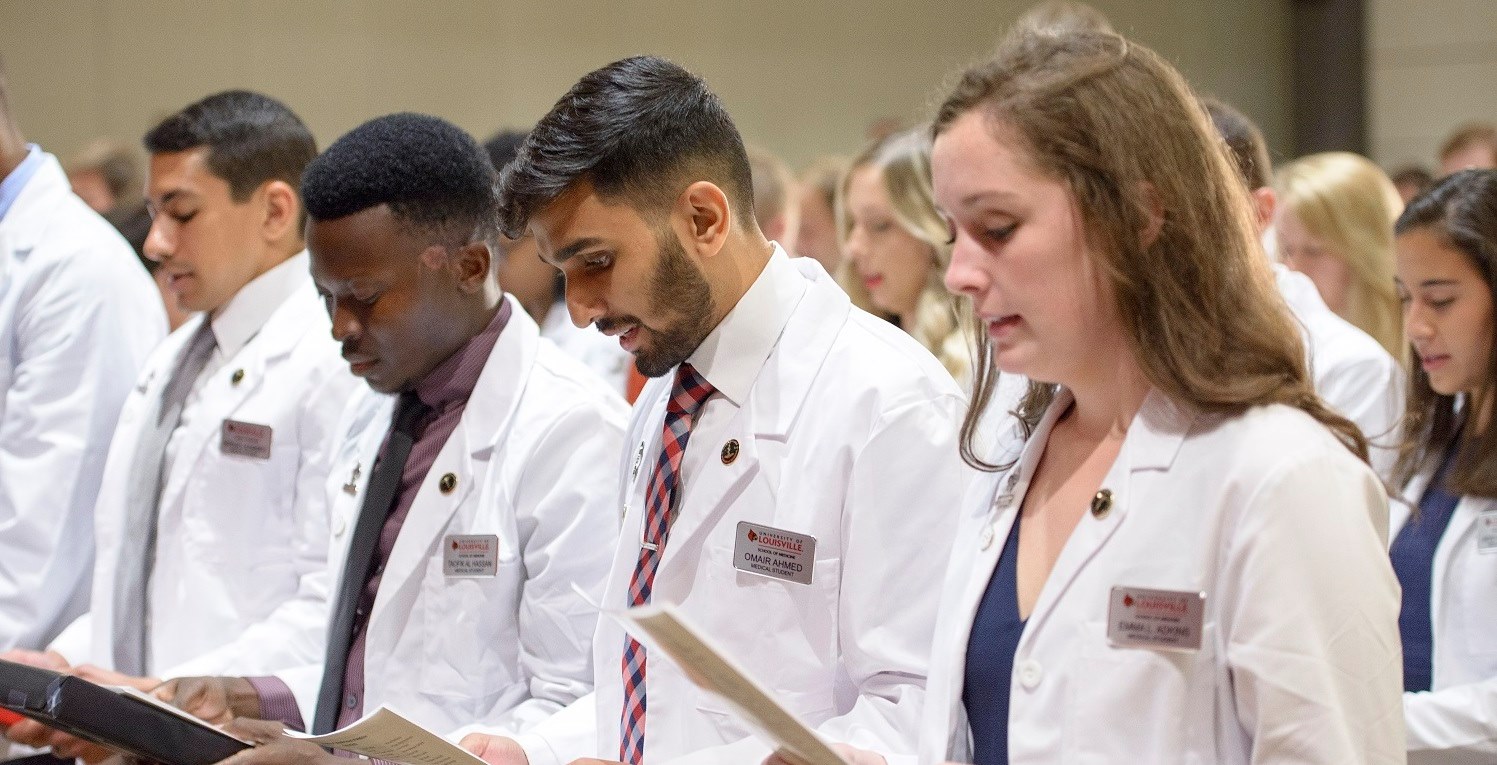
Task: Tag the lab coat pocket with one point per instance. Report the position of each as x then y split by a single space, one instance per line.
1469 596
455 658
1142 705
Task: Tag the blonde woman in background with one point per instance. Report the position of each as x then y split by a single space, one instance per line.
896 247
1335 225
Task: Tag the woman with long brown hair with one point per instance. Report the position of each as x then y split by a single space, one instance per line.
1446 265
1179 557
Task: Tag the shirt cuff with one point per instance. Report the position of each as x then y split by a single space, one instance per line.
277 702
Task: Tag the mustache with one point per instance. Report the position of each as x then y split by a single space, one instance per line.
609 323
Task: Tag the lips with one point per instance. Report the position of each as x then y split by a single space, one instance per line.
1002 325
1434 362
628 334
872 282
358 363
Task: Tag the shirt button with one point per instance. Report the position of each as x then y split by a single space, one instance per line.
352 701
1030 674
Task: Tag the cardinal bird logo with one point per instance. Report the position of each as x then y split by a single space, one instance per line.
753 537
1128 600
454 544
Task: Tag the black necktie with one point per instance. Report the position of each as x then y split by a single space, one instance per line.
379 500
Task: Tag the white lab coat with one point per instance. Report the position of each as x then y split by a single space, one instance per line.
1268 516
848 434
1456 721
1352 372
534 459
78 317
241 542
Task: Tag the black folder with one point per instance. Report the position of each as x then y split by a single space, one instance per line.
113 719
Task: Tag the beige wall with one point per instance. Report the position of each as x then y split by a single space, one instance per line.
1432 64
801 77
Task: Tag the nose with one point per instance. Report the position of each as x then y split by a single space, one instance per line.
1416 325
346 325
585 301
159 243
965 275
855 246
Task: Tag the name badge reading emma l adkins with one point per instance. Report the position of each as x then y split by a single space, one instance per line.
774 553
1160 619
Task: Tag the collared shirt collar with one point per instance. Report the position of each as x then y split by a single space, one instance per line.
11 186
242 317
453 380
734 352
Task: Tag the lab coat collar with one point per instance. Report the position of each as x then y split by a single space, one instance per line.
46 189
251 308
484 424
734 352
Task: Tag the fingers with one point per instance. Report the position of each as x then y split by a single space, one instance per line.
255 731
29 732
494 750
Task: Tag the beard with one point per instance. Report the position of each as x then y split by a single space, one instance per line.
678 291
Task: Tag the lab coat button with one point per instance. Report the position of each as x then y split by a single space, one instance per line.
1030 674
340 526
987 536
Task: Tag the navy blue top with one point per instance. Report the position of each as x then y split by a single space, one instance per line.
1413 554
990 657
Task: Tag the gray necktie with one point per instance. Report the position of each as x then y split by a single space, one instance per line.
143 504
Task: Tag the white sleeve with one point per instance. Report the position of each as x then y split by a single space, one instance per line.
564 736
1452 725
1310 622
1369 391
79 337
565 508
295 632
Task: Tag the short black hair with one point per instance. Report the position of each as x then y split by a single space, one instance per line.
640 129
430 172
1249 152
503 147
251 138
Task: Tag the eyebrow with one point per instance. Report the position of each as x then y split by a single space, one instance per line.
979 196
1438 282
567 252
173 194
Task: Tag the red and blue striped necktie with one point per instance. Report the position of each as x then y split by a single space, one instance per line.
687 396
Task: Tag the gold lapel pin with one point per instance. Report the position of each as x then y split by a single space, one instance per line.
448 483
352 487
237 377
730 451
1102 504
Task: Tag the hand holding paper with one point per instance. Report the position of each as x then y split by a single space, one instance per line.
385 735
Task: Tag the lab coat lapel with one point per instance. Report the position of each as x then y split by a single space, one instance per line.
775 398
1153 440
240 378
465 455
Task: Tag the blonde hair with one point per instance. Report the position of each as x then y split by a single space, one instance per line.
1349 202
118 163
943 324
1115 123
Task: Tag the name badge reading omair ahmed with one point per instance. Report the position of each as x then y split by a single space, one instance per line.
775 553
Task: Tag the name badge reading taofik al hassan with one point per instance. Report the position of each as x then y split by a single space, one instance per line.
470 555
774 553
245 439
1164 619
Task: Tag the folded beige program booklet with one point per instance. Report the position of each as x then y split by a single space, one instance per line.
664 627
385 735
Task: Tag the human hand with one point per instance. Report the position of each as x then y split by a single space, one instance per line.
215 699
273 747
495 750
850 755
101 676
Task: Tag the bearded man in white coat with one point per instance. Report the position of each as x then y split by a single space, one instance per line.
790 474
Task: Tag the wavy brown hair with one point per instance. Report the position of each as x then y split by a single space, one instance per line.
1122 129
1461 210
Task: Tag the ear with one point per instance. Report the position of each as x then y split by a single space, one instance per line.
1153 214
1265 202
282 212
470 265
703 218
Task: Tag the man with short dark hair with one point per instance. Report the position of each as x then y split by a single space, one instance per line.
472 490
1352 371
212 525
791 472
